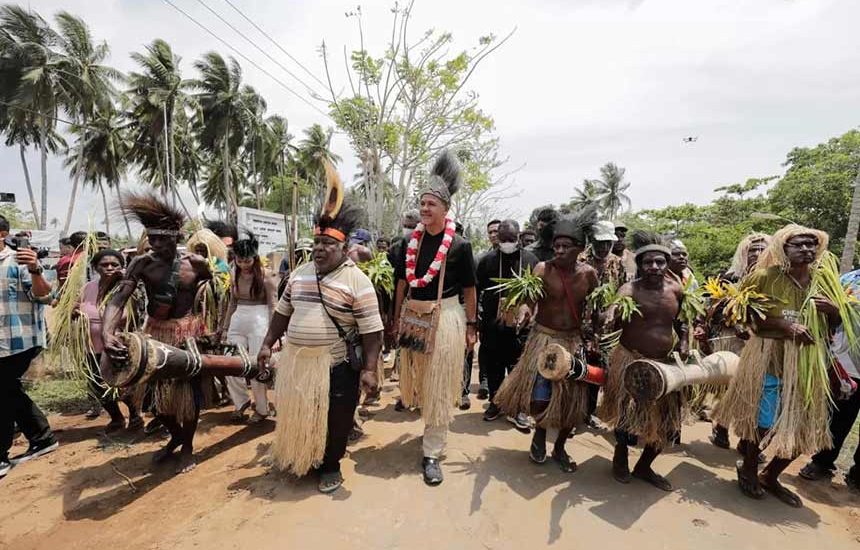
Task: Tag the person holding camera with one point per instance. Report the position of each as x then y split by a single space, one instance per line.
23 295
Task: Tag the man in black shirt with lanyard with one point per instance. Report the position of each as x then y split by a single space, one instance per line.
501 333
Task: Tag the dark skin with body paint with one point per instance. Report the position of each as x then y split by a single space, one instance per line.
152 269
801 252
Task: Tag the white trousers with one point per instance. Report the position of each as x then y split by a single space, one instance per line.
247 329
434 440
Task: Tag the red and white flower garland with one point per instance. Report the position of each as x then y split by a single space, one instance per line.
436 264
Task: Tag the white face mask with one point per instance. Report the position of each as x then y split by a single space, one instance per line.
508 248
407 232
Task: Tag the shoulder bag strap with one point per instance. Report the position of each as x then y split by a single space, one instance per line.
340 332
442 279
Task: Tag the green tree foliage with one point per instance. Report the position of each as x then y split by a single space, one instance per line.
817 187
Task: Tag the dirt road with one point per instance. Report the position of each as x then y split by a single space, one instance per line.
492 497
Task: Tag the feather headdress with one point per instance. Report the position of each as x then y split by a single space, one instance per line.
445 177
248 246
337 218
577 225
153 213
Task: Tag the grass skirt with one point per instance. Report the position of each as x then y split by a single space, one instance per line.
569 401
179 398
434 381
798 429
302 400
654 423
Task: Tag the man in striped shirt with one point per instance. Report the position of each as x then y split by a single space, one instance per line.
325 303
23 292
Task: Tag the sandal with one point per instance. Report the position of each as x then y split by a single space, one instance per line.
749 487
564 462
778 490
330 482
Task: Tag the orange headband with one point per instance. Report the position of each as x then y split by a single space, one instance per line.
330 232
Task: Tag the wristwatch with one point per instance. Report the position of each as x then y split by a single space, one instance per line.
37 271
472 323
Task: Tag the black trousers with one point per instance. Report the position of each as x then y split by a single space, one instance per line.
841 421
498 355
16 407
343 399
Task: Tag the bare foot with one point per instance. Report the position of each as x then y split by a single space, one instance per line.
164 453
777 489
186 463
652 477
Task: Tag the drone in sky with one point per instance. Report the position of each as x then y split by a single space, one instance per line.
690 139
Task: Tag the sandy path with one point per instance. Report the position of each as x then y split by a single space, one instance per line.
492 496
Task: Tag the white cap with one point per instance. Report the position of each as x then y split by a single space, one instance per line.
603 231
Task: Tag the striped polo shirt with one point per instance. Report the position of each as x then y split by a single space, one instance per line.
349 297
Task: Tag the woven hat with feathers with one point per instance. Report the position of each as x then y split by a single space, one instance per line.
445 177
154 213
577 225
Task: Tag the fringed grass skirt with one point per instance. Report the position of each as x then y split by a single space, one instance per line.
568 403
800 428
434 381
655 422
181 399
301 399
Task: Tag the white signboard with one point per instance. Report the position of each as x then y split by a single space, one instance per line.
267 226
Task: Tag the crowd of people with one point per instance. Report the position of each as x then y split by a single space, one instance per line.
328 330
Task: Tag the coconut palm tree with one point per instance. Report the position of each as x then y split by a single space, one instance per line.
227 108
87 83
610 189
156 97
28 47
105 147
315 149
584 196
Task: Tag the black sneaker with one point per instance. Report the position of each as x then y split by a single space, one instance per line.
492 413
483 392
5 466
432 471
35 451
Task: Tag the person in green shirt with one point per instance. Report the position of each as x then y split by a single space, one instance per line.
761 402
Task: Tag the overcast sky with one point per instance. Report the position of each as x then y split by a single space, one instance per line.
581 82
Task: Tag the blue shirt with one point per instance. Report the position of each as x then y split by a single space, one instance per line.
22 315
